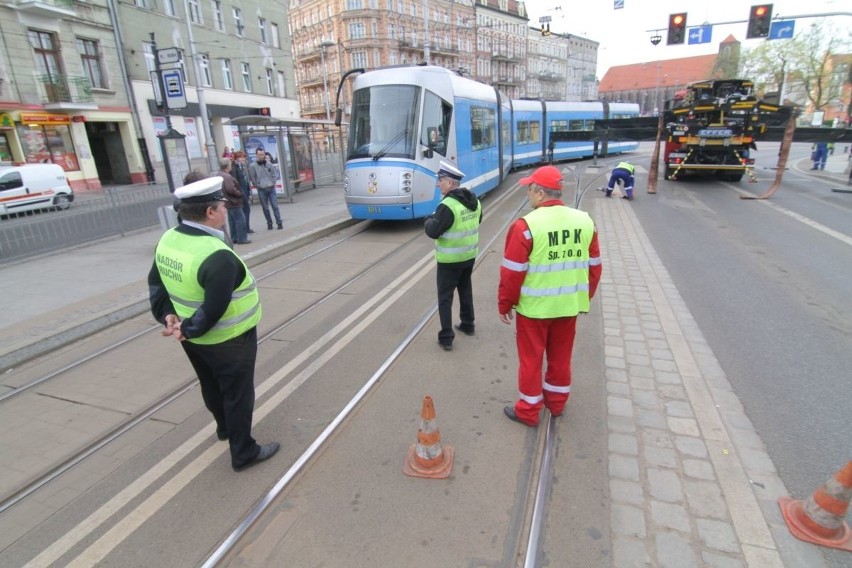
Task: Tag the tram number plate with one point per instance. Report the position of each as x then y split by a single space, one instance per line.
373 209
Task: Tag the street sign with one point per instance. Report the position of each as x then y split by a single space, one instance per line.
544 19
617 4
699 34
782 30
173 87
168 55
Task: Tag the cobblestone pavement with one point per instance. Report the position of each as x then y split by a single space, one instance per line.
691 483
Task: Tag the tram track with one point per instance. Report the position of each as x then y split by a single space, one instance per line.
298 370
529 538
156 406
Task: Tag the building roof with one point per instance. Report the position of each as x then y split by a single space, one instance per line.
653 74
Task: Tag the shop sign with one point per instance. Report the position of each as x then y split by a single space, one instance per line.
44 118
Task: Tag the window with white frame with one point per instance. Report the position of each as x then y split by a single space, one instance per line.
148 50
356 30
169 7
195 12
227 77
238 21
141 3
270 86
273 31
245 69
218 16
204 63
91 59
359 60
261 24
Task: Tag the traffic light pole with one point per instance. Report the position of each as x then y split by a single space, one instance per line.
776 19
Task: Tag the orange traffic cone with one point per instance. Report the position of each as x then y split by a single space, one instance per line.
819 519
427 458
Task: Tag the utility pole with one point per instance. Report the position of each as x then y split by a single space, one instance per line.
157 70
209 143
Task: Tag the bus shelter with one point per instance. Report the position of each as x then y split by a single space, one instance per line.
289 144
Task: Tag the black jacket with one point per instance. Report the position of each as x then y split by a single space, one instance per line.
442 219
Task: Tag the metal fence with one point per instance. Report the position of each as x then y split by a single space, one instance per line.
115 212
118 211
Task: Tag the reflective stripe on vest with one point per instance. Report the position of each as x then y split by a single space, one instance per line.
461 241
557 280
626 166
178 259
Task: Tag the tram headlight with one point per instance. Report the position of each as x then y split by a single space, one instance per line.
345 183
405 181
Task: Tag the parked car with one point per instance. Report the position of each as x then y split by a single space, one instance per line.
32 187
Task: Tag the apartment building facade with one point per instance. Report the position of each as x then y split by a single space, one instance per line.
63 98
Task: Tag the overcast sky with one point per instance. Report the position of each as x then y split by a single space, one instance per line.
624 37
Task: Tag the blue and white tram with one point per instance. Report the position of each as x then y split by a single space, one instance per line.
405 120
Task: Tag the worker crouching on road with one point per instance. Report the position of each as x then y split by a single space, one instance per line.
455 227
623 172
207 299
550 270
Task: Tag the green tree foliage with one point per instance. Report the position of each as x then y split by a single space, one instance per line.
801 65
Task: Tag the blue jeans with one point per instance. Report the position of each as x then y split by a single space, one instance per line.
237 225
268 198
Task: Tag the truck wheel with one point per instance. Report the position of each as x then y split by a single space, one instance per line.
61 202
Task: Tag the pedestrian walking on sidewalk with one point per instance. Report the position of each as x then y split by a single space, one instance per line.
234 195
240 172
455 227
623 173
207 299
550 271
262 175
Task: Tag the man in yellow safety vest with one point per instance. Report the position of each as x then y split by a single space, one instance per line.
207 299
550 270
455 227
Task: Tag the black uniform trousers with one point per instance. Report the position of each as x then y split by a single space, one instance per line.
226 373
450 278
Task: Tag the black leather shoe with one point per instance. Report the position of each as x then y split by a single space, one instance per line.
266 452
269 226
245 242
250 232
221 434
446 346
280 226
465 330
509 411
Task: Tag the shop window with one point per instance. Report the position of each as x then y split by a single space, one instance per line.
48 145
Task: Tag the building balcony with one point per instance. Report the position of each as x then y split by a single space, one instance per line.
66 92
548 76
503 55
49 8
312 82
309 55
509 81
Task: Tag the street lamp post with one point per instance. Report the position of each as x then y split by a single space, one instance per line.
325 43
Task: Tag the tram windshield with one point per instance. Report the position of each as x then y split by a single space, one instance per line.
383 122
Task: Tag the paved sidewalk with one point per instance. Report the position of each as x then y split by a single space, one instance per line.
52 300
691 483
837 167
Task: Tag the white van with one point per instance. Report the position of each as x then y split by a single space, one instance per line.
33 186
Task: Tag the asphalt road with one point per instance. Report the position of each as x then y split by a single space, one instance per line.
768 283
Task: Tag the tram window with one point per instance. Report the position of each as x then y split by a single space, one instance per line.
482 128
528 131
437 114
559 126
